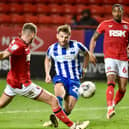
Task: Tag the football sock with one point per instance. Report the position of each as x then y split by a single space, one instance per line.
60 100
110 93
119 95
62 116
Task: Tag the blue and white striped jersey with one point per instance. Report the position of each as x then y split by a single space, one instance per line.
67 60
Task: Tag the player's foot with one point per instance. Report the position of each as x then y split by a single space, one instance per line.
47 124
53 122
110 113
82 125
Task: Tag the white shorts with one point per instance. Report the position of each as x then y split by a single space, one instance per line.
118 67
32 91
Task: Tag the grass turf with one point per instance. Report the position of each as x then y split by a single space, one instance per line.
23 113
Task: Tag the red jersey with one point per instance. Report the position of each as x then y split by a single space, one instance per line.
20 64
116 38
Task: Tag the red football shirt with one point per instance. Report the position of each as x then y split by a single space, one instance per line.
116 38
20 64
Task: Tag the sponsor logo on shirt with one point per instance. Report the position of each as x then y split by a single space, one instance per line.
62 58
125 26
14 47
117 33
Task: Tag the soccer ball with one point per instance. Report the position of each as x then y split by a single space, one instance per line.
87 89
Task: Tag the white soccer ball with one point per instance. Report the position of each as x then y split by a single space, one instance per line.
87 89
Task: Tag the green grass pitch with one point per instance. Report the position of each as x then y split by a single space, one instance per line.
24 113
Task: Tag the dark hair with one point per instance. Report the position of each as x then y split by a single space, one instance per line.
30 26
86 11
64 28
117 5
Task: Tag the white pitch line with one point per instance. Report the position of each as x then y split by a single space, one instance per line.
76 109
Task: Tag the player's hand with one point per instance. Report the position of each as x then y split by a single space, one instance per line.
84 70
48 79
92 58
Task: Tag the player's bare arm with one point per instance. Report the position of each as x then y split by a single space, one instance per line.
4 54
85 62
47 69
92 47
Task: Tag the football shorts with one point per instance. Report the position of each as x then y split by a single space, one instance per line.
118 67
71 86
32 91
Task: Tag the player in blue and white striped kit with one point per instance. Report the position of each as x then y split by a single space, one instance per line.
66 56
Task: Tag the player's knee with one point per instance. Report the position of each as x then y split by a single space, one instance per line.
54 101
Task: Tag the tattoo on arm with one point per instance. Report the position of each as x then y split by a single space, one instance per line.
96 35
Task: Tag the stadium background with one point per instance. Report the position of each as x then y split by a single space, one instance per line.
23 113
47 15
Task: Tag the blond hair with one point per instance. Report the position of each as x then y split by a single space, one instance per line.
30 26
64 28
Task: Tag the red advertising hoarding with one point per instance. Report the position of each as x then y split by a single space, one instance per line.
45 37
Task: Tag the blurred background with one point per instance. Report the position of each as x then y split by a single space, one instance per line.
82 15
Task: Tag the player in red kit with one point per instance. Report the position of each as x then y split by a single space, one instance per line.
116 38
18 78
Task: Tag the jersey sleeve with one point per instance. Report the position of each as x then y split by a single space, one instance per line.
49 52
15 48
82 47
100 28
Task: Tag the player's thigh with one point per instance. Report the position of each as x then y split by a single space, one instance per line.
122 83
70 102
110 66
7 96
74 88
5 100
59 90
111 69
31 91
122 69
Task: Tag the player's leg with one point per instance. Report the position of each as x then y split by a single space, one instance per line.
69 104
35 92
111 71
53 102
72 95
110 95
122 83
110 89
59 92
5 100
60 88
7 96
122 80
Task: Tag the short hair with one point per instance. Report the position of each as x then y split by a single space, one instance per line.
64 28
117 5
30 26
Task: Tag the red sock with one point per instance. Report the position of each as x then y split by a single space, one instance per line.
110 93
62 116
119 95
